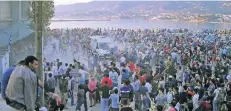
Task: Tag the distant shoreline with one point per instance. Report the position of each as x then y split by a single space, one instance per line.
70 20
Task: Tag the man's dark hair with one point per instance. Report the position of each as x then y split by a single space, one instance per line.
30 59
173 103
196 90
124 70
185 87
203 62
22 62
80 86
73 67
66 64
61 107
116 91
127 82
50 75
106 82
160 108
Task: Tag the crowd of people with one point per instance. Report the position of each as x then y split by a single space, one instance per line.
158 70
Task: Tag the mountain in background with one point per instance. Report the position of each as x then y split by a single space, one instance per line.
109 8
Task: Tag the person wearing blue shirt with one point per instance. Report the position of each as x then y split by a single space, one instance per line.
114 100
224 53
6 77
125 75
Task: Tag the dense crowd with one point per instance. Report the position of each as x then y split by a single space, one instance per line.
185 65
158 70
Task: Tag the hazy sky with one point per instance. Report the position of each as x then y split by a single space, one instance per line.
66 2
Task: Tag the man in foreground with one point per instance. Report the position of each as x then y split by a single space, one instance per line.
21 91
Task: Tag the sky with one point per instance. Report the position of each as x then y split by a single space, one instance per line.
67 2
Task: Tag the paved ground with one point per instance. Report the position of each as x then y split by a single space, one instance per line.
81 56
5 107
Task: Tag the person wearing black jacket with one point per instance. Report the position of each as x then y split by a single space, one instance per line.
183 96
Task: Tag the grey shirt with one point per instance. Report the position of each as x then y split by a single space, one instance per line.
161 100
80 95
51 83
22 87
74 72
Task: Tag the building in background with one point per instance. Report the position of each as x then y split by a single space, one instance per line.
13 28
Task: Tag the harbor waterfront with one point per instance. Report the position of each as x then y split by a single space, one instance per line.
140 24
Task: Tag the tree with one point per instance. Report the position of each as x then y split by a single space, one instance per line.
40 14
47 12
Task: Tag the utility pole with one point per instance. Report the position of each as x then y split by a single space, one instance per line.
39 44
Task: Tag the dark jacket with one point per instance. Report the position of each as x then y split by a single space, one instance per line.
105 91
63 84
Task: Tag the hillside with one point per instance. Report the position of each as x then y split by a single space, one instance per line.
102 8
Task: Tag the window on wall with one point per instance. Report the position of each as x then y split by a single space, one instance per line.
5 10
24 9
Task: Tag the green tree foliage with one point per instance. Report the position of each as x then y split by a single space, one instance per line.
47 12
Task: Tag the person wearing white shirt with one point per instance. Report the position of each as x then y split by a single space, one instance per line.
195 100
65 68
149 87
114 78
61 69
161 83
54 70
119 81
122 59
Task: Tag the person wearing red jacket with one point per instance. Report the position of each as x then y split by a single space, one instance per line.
106 78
